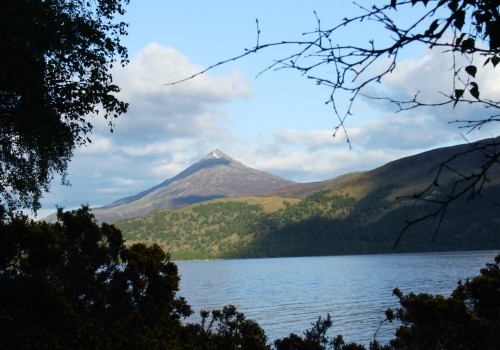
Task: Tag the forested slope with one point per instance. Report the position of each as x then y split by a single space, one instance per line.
362 212
322 224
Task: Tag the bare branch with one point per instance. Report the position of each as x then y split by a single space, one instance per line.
467 185
462 29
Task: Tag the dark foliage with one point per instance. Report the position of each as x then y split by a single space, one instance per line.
55 66
228 329
469 319
74 285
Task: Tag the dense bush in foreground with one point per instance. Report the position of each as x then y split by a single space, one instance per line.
74 284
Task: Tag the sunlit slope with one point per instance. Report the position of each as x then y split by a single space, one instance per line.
214 176
357 213
219 228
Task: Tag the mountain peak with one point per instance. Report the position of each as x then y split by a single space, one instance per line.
217 154
216 175
214 154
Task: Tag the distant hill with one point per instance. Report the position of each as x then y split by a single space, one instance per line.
354 213
214 176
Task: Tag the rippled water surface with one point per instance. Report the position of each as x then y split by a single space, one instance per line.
286 295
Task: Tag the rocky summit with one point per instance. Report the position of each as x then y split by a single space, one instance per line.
216 175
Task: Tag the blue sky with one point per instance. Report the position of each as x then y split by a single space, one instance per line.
277 122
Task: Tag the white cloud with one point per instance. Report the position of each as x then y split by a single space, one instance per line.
98 144
161 112
141 150
169 128
155 66
123 181
402 132
303 165
432 76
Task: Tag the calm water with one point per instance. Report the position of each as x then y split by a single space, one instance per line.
286 295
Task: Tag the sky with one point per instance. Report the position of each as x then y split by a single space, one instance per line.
276 121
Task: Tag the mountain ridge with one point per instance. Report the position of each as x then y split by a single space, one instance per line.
216 154
216 175
355 213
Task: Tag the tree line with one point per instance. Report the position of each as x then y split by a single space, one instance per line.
325 223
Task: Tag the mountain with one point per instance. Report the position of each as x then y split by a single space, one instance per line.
216 175
354 213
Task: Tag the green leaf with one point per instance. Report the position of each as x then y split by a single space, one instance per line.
453 5
459 39
471 70
474 91
389 313
434 25
468 44
458 94
495 60
459 19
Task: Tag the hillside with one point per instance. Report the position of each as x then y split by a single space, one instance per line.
357 213
214 176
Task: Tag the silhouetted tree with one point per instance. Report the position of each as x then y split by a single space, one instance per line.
468 319
74 285
228 329
55 75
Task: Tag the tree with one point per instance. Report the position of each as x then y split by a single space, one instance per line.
74 285
54 76
469 319
228 329
467 30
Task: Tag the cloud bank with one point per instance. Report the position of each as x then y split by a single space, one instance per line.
168 128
